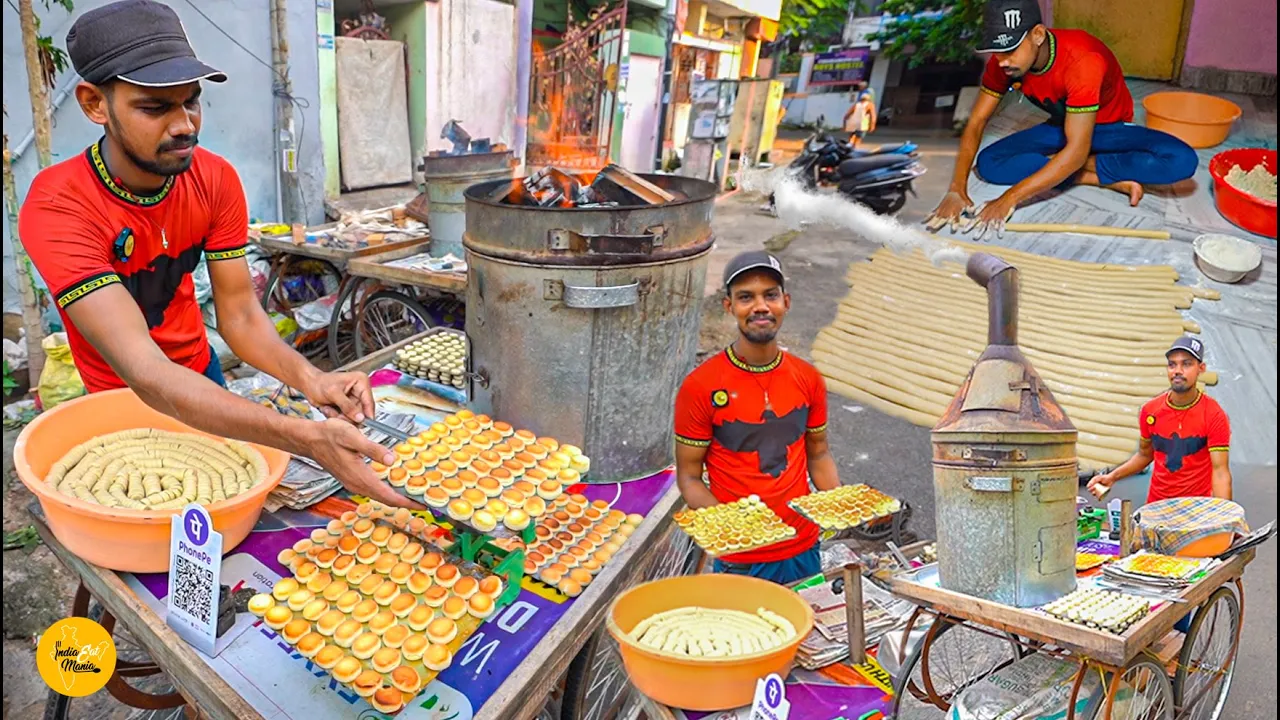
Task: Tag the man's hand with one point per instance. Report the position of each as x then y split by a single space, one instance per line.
992 216
949 212
341 449
1100 484
341 394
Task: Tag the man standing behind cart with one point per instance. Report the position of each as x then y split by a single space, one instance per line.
755 418
1185 432
116 231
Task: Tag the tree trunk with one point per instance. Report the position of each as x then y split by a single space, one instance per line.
26 280
39 92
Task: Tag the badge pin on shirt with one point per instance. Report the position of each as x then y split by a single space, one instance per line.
123 246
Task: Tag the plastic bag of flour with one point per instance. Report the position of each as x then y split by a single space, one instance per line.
1036 687
59 381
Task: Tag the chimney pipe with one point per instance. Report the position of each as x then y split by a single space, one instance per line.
1001 281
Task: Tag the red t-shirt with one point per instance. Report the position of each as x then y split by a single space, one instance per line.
751 448
1082 76
1182 438
84 231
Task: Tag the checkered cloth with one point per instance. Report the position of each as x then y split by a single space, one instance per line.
1170 525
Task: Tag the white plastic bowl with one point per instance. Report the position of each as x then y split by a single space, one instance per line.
1227 270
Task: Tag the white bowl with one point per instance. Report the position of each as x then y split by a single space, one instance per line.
1245 259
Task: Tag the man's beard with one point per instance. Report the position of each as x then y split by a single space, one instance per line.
760 336
157 166
1181 385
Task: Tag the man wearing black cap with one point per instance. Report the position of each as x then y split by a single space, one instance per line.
1089 138
755 418
1185 432
116 231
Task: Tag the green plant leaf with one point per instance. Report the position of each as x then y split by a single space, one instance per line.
24 538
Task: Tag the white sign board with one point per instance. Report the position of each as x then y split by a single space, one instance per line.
858 32
770 702
195 569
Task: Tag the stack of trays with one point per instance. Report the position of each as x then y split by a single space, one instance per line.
484 474
739 526
573 544
1105 610
846 506
440 358
374 606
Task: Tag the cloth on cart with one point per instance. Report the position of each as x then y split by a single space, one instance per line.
1168 526
1037 687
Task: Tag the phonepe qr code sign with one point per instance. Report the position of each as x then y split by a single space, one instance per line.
195 565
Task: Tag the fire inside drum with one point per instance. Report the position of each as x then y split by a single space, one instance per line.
584 321
906 334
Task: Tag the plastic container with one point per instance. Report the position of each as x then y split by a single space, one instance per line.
1240 208
705 684
1206 547
1199 120
118 539
1217 268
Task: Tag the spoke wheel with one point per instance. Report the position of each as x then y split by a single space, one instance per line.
1208 658
303 280
386 318
341 343
951 658
1141 692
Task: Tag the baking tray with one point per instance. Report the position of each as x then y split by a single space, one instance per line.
863 523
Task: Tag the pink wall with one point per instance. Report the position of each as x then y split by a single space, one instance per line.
1233 35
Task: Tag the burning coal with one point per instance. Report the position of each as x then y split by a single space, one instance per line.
796 205
611 187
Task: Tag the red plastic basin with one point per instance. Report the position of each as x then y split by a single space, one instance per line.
1242 209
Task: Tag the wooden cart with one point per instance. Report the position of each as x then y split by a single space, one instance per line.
573 672
326 262
1146 672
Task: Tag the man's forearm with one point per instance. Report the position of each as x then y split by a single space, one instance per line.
1135 464
696 494
1222 483
823 471
197 401
969 143
254 339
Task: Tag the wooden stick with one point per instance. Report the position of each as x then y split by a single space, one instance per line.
1087 230
1126 527
854 625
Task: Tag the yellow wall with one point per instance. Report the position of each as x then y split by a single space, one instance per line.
1145 36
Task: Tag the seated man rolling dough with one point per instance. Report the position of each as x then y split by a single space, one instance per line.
755 418
1089 138
1185 432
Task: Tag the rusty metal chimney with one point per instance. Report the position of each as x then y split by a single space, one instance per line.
1004 468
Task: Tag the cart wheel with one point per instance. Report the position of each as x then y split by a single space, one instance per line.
1208 658
283 296
386 318
951 657
1141 692
342 325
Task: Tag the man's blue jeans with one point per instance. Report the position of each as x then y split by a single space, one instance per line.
805 565
1122 151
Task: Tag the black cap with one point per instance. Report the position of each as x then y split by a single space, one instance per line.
1188 344
752 260
139 41
1006 23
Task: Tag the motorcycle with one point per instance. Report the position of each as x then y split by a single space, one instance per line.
878 178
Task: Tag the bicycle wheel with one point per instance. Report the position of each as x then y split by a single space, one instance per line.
386 318
958 656
341 342
1141 692
1208 658
303 280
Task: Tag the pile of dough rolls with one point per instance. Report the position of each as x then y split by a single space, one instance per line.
713 633
908 333
149 469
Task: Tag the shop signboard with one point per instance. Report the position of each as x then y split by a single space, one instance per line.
840 67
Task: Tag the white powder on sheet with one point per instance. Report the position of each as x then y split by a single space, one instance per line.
796 205
1257 182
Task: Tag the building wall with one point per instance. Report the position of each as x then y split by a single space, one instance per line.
239 115
471 70
1233 35
409 25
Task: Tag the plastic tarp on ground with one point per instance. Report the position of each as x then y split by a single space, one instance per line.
373 113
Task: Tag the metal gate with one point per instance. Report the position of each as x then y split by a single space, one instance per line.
573 98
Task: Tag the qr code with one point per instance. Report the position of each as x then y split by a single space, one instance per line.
192 588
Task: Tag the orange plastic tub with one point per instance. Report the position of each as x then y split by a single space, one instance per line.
118 539
1207 547
1199 120
705 684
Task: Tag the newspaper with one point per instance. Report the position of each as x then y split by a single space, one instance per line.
305 483
828 642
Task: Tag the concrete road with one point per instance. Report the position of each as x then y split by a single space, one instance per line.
894 455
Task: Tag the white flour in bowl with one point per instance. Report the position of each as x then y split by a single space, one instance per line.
1257 182
1229 253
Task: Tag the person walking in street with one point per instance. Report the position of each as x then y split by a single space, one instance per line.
1089 138
754 418
117 230
860 118
1184 432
